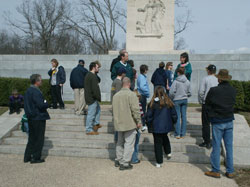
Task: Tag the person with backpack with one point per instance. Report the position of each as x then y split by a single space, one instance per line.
160 117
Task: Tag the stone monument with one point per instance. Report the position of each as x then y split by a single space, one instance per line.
150 26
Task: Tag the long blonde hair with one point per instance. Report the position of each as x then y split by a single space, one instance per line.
163 97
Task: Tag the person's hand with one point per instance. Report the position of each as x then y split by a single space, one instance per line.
139 125
61 85
168 88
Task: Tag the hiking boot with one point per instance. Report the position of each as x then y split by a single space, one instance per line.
212 174
92 133
96 127
229 175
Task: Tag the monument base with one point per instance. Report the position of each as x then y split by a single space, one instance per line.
169 52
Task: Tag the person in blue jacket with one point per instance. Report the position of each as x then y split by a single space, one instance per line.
77 77
57 79
143 89
159 77
35 107
160 117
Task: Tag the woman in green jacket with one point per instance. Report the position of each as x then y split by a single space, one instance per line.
186 64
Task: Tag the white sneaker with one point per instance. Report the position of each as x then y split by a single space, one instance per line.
169 156
158 165
144 128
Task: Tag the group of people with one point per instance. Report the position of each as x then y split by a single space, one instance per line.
132 114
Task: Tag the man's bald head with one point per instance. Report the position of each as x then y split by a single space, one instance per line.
126 83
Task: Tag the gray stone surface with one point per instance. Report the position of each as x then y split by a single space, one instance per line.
78 172
24 65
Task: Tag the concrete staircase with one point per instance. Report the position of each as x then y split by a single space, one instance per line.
65 136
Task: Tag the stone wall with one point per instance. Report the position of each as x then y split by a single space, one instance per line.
24 65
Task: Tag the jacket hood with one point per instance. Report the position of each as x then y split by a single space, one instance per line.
181 78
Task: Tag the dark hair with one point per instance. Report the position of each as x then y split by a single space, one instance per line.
161 65
181 70
81 61
131 62
55 61
185 55
35 78
92 65
169 64
123 54
143 68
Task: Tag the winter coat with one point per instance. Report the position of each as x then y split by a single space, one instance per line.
77 77
60 75
92 91
160 119
117 66
188 70
159 78
35 106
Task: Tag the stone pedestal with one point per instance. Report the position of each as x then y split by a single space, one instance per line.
150 26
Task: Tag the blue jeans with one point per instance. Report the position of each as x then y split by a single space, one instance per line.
181 124
143 101
225 131
136 149
93 117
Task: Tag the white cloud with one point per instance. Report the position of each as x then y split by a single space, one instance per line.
240 50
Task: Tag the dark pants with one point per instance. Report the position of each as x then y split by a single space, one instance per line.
15 106
161 141
56 96
205 124
143 101
36 140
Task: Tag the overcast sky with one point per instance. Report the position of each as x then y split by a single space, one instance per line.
219 26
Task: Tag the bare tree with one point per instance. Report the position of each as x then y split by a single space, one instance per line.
42 20
98 21
180 44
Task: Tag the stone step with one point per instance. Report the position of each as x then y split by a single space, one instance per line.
145 137
198 158
98 144
108 128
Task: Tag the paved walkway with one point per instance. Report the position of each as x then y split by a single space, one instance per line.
77 172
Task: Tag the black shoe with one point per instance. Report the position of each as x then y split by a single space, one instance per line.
11 112
117 163
208 146
18 112
33 161
26 160
203 144
62 107
122 167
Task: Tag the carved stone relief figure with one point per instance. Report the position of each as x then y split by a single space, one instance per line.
153 11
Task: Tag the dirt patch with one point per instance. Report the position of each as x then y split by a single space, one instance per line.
243 177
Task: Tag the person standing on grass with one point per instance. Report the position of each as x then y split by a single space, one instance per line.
143 89
170 75
160 115
208 82
35 107
77 77
179 93
127 119
57 79
184 58
220 102
92 96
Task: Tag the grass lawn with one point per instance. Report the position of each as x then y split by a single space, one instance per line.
3 110
246 115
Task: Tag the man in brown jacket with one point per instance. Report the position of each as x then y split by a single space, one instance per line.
127 118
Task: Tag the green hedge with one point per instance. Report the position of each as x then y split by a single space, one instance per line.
246 87
8 84
240 94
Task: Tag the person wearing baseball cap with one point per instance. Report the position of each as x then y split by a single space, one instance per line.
207 82
220 102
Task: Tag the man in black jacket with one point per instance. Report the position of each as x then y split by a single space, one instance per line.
35 107
77 77
92 97
220 101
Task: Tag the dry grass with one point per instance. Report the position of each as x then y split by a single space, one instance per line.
243 177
